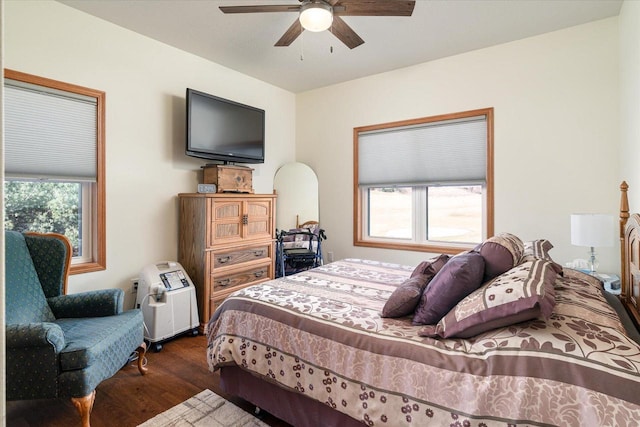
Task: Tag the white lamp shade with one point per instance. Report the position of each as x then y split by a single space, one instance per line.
316 16
594 230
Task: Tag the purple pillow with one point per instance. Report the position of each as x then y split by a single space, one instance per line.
431 266
405 297
523 293
460 276
501 253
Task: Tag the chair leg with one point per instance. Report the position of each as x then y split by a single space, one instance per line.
84 405
142 351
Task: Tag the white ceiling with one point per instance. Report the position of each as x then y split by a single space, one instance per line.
244 42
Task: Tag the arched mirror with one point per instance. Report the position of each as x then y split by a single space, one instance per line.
296 185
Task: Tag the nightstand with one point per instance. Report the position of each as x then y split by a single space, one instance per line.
611 282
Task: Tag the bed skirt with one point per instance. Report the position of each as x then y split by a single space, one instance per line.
294 408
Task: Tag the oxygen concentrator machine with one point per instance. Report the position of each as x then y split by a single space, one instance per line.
167 297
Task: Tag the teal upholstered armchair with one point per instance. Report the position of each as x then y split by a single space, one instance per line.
60 345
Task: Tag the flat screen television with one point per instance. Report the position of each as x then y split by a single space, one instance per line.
224 130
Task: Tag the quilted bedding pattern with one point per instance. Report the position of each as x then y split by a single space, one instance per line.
320 333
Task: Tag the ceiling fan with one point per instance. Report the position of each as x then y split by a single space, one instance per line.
320 15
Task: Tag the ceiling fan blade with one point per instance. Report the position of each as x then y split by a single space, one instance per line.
374 8
291 34
344 33
260 9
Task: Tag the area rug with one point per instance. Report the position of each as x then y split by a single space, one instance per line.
204 409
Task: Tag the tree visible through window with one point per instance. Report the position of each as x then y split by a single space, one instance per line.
425 184
46 207
54 163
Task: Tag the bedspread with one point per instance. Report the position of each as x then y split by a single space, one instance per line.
320 333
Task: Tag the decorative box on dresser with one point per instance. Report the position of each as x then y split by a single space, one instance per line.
226 243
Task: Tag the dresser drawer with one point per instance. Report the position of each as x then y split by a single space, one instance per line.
238 256
227 282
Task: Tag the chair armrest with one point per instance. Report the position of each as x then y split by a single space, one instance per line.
104 302
35 335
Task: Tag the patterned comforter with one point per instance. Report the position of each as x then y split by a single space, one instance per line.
320 333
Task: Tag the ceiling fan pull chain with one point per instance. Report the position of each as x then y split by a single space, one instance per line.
302 46
331 29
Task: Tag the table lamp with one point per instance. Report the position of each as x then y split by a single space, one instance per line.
592 230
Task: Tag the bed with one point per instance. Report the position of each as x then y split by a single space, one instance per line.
313 348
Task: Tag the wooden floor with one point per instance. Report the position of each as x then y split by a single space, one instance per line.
175 374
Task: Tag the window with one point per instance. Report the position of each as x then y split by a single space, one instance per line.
425 184
54 163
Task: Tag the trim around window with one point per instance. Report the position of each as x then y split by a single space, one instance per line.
98 259
359 222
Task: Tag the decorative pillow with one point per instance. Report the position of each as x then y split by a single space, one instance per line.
431 266
460 276
404 299
523 293
501 253
540 249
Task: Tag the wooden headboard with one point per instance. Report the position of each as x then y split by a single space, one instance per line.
629 256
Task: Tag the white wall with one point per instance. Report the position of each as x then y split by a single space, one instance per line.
629 23
145 83
556 101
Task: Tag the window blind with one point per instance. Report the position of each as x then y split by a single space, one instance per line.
49 134
445 152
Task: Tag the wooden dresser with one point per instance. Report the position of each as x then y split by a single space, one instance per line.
226 242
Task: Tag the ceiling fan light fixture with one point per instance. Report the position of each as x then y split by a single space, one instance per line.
316 16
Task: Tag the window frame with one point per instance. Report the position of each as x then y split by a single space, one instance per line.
360 208
97 225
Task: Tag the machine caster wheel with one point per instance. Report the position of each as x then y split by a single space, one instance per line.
156 347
